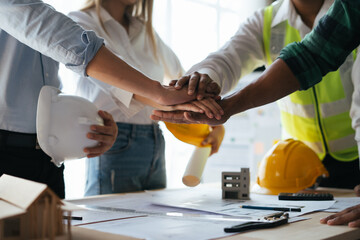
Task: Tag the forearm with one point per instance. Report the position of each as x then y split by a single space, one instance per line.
326 47
276 82
151 103
110 69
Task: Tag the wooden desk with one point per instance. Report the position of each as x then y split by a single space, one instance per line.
78 233
310 229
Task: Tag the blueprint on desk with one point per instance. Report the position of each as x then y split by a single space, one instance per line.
210 200
128 212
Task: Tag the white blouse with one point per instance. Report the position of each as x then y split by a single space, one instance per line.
135 49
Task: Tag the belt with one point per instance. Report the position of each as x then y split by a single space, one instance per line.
15 139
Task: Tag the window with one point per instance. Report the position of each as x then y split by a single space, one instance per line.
204 25
193 29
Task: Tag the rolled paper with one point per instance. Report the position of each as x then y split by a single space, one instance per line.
195 166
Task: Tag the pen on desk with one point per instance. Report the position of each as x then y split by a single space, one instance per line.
73 217
284 209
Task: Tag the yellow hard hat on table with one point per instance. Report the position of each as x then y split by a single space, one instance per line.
289 166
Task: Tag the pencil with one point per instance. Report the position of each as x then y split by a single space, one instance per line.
73 217
283 209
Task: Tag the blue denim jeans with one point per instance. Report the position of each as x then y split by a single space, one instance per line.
135 162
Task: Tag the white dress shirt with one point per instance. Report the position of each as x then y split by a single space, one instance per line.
355 104
244 52
33 39
135 49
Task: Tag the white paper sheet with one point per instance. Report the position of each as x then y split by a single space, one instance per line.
342 203
211 202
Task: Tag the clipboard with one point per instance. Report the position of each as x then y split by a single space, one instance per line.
267 222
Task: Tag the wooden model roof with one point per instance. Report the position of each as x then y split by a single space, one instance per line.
17 195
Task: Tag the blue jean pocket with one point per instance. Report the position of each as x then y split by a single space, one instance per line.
123 142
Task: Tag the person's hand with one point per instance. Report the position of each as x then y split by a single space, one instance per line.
105 135
208 106
201 83
349 216
183 106
215 138
357 190
169 95
191 117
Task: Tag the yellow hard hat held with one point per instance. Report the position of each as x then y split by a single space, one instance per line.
289 166
193 134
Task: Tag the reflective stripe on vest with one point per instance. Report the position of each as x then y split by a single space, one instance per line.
318 116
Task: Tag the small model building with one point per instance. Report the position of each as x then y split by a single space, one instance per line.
29 210
236 185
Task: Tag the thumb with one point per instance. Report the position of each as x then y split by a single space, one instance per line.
206 141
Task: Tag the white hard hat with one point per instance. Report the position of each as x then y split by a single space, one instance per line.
62 123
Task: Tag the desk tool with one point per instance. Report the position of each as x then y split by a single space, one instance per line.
267 222
273 208
306 196
78 218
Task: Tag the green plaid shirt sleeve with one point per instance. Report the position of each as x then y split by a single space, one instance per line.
327 46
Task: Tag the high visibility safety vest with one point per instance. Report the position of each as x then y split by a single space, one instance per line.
318 116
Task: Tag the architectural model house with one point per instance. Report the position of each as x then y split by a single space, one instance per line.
236 185
29 210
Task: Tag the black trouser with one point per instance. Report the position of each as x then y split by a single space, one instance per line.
20 158
342 174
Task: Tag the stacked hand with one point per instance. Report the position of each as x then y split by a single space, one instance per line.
200 103
197 81
183 116
208 106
